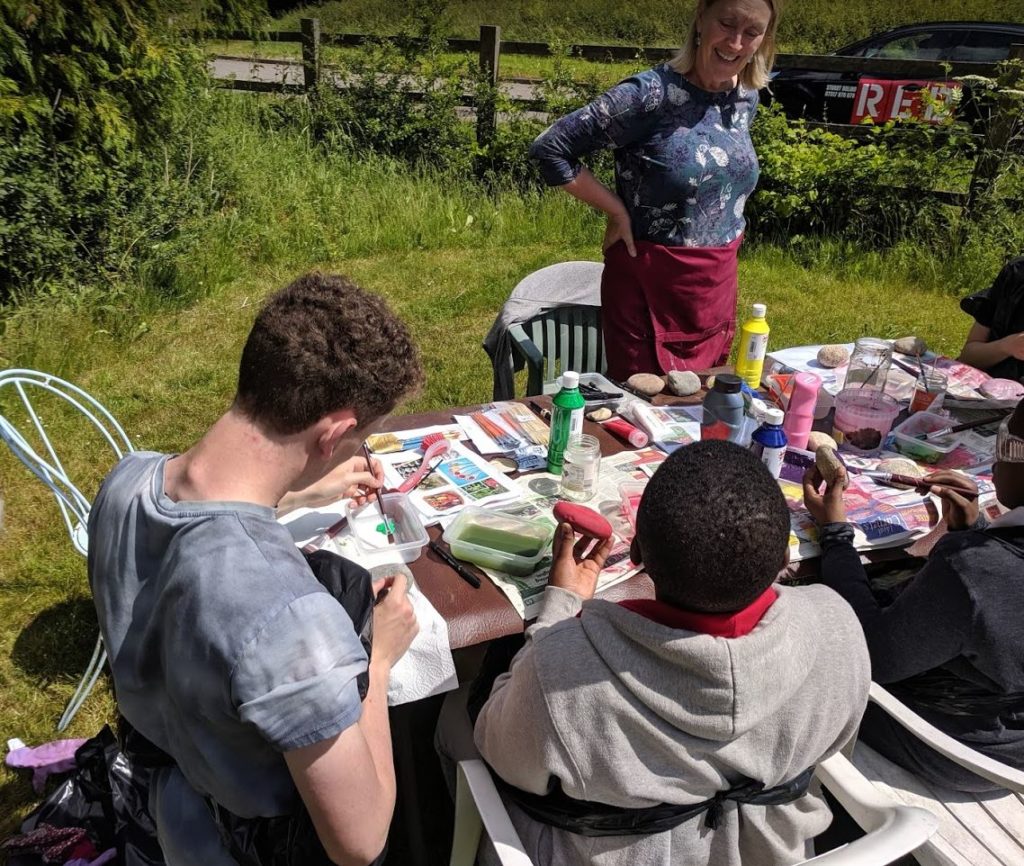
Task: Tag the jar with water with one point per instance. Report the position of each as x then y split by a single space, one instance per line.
581 468
869 364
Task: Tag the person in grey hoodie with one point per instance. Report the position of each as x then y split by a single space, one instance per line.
723 682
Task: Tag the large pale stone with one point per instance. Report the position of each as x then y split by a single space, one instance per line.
910 345
816 439
828 463
683 383
833 356
646 383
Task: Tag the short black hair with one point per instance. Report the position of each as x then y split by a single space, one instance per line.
712 527
322 344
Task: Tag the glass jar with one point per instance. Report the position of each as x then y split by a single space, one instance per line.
581 468
869 364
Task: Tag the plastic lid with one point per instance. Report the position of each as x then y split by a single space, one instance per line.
570 379
774 415
760 310
727 383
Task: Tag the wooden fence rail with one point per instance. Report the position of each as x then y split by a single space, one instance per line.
490 47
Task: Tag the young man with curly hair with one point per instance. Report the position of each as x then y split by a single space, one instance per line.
226 652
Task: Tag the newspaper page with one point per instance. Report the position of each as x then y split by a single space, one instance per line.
881 516
540 492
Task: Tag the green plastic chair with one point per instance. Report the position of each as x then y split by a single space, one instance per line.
563 338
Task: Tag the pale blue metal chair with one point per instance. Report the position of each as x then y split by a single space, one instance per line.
32 445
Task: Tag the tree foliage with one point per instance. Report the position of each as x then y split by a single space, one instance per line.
98 133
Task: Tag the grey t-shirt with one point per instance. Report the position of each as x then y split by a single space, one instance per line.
225 650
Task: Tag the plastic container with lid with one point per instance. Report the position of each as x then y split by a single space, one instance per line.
500 541
863 419
906 442
368 530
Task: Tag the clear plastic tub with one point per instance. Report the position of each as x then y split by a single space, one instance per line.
863 419
906 442
367 528
630 492
499 541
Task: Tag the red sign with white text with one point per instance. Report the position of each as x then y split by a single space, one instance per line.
882 100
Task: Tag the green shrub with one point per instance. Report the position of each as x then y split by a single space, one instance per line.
101 140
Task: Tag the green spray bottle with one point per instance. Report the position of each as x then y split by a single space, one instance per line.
566 419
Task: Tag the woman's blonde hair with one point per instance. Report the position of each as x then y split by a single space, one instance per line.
755 74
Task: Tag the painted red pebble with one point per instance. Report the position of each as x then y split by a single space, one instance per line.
584 520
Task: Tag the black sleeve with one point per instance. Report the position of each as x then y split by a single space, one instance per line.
925 626
983 305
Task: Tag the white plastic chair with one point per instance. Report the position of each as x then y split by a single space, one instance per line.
33 447
975 829
892 830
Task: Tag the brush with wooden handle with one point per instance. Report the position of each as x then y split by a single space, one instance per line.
921 485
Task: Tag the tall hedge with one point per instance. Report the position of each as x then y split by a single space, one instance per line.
99 119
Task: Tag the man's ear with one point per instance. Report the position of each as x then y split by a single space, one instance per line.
634 552
333 428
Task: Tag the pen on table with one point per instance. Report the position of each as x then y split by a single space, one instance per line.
455 565
632 391
540 410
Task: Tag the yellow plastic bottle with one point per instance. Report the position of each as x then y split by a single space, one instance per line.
753 347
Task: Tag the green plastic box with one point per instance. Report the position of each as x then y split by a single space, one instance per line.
500 541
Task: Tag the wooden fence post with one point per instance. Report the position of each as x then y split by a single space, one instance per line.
486 109
310 53
1002 125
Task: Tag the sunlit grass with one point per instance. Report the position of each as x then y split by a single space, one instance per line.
443 250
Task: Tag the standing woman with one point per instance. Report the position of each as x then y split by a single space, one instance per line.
684 168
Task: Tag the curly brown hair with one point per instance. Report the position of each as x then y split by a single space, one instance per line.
323 344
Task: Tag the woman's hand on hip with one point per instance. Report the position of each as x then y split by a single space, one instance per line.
619 228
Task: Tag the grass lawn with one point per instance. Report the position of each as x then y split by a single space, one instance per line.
166 386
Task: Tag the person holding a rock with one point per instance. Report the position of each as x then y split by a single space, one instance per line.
995 342
684 168
947 642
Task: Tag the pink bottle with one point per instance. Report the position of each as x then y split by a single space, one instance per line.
800 414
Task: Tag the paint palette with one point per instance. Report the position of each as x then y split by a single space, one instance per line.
371 534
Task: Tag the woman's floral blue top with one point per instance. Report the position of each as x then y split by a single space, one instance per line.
684 161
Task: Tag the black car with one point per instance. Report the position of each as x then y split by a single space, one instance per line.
851 97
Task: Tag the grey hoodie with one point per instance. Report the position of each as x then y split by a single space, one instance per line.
626 711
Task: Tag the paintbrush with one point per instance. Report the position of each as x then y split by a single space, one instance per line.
504 440
388 443
921 485
380 505
956 428
924 375
315 544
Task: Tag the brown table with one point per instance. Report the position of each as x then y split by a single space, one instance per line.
476 616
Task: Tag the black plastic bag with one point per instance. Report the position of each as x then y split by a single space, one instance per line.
108 796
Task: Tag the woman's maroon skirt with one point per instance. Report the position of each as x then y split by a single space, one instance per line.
670 308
